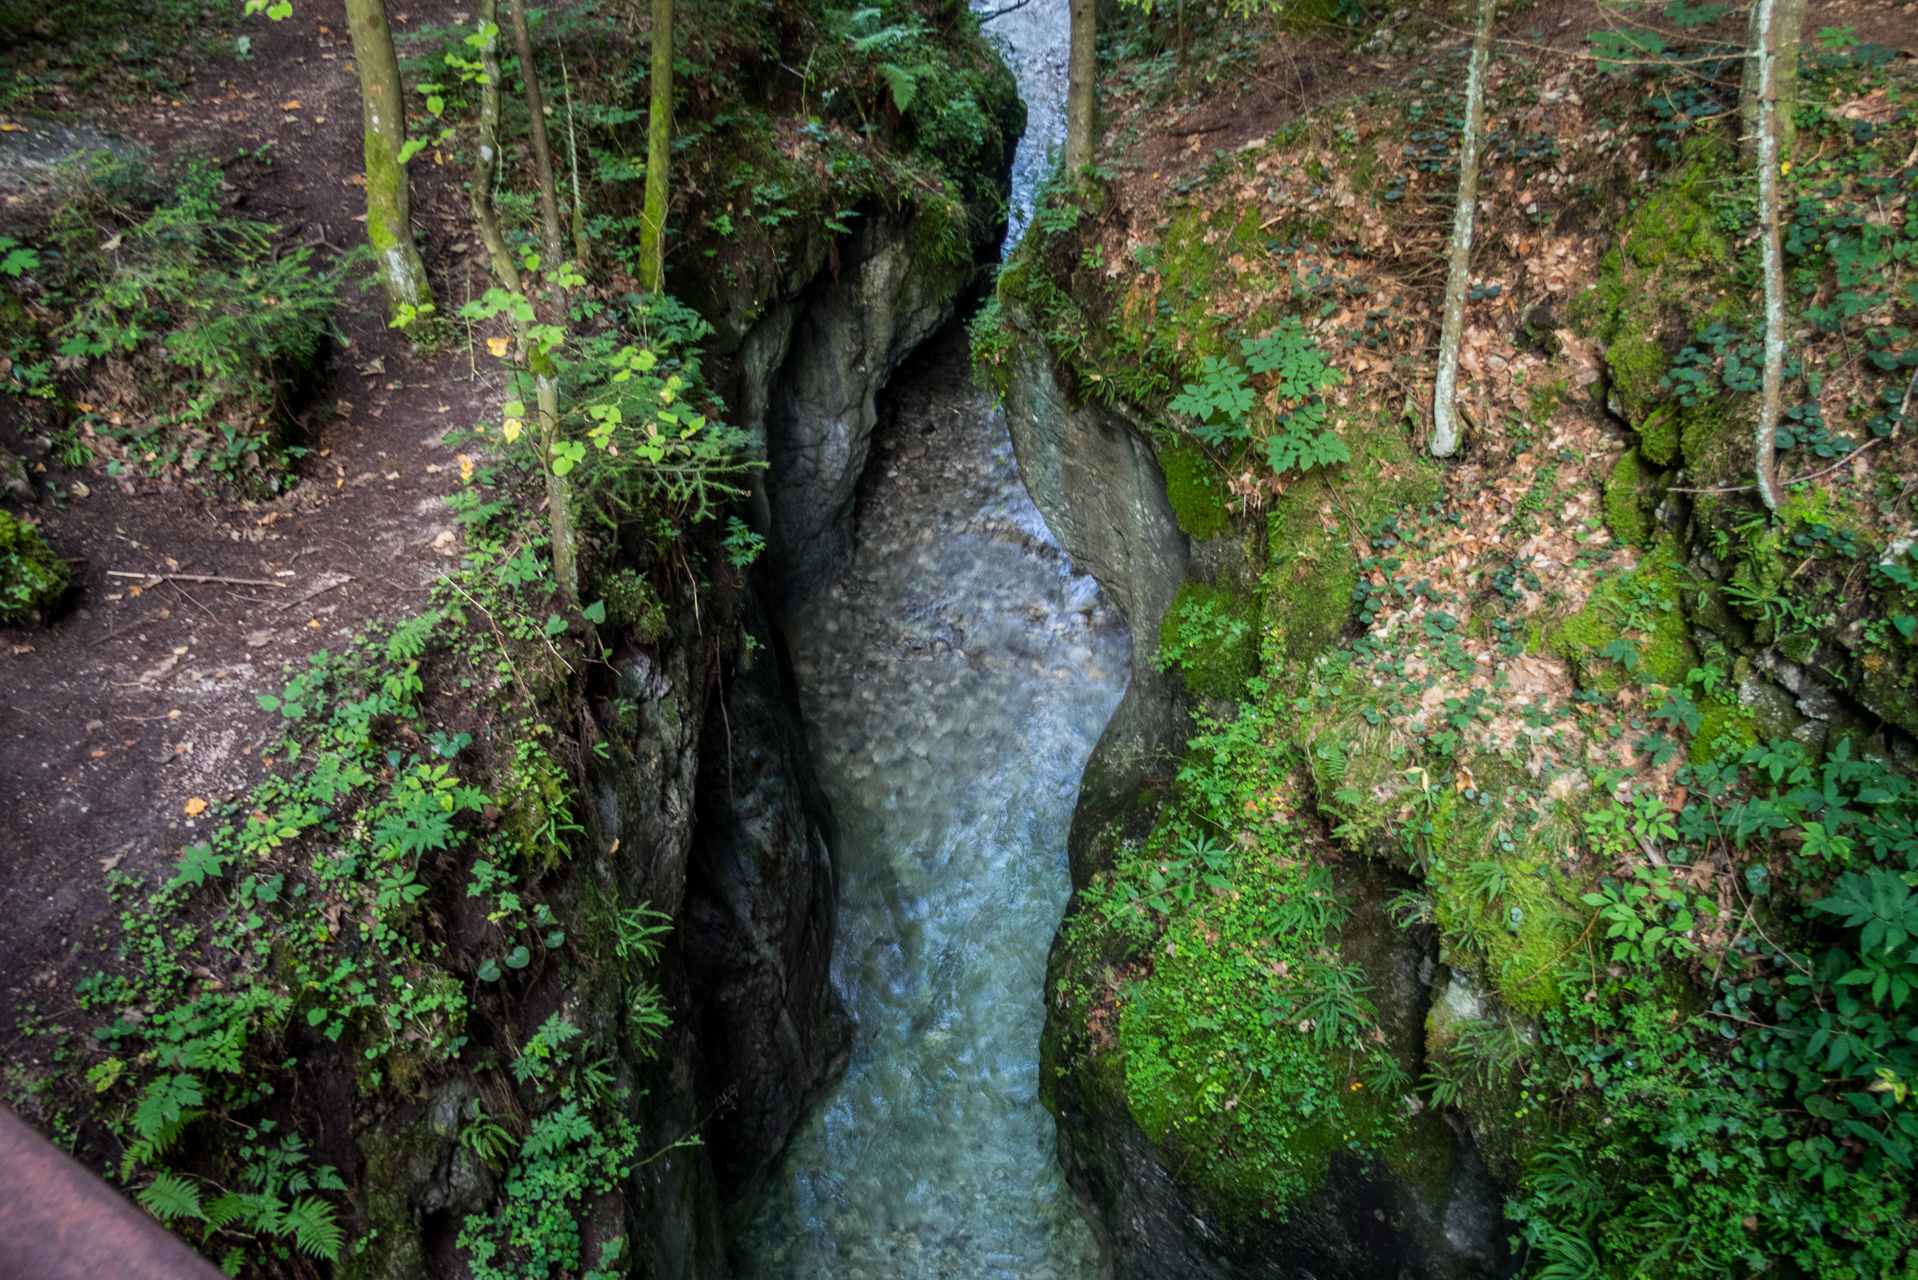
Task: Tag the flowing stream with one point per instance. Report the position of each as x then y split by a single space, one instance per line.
953 683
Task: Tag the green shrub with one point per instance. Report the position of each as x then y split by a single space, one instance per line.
130 48
190 340
32 579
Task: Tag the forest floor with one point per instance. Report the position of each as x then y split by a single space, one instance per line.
141 699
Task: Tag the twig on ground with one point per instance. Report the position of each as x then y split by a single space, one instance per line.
157 578
341 581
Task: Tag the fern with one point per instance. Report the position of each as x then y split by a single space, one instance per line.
1338 1002
1445 1088
1488 878
640 929
310 1221
170 1197
227 1209
1567 1257
904 86
1409 907
1333 757
486 1138
646 1017
163 1112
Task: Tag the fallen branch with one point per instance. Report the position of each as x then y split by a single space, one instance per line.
1000 13
1747 488
196 577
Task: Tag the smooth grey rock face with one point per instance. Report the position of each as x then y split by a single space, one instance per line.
1104 498
27 154
759 922
825 359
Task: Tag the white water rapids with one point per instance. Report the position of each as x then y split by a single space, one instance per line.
953 683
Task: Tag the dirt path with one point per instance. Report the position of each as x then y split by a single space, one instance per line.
144 696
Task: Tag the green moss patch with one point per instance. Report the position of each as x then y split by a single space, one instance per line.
1192 487
1643 608
1211 1006
32 578
1208 634
1624 508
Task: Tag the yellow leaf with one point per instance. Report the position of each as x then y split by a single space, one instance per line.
512 427
496 345
291 104
195 807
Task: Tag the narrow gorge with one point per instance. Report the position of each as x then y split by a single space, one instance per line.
828 699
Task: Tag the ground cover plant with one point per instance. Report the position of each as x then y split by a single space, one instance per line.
53 55
414 846
162 334
1550 689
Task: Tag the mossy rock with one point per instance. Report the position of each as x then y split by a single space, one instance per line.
32 579
1666 655
1222 650
1627 499
1192 487
1636 362
1310 569
1677 224
631 602
1721 728
1531 919
1308 581
1888 688
1658 437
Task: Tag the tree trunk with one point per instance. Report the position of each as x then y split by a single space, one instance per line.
659 141
389 215
486 151
580 250
1766 110
559 494
1445 428
542 149
1787 22
1081 97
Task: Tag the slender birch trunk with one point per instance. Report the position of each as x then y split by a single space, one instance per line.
389 215
1445 427
559 495
659 146
580 252
1787 24
1081 96
1764 52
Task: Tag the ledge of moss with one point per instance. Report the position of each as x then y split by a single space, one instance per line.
1192 487
32 578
